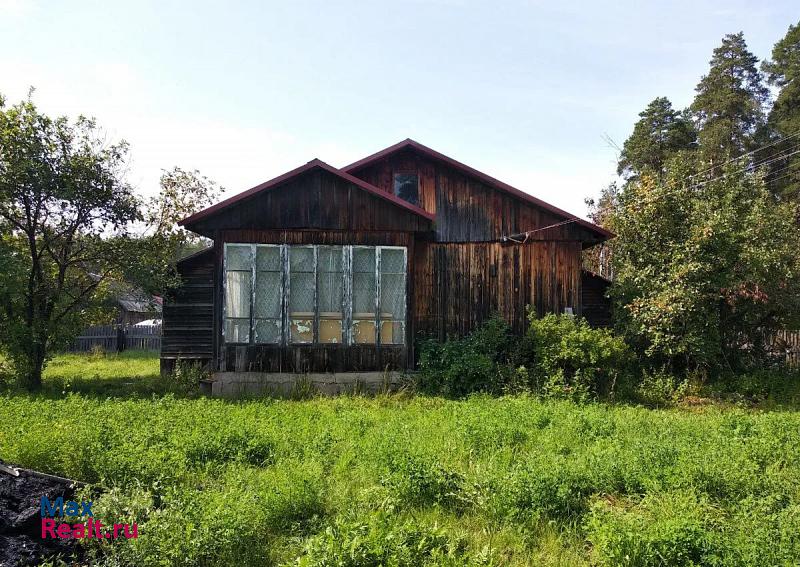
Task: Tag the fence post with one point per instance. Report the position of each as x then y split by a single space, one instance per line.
121 338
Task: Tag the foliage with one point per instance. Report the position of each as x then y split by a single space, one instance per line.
413 480
163 242
783 72
667 529
559 355
564 356
61 192
188 374
660 133
729 104
704 271
69 231
461 366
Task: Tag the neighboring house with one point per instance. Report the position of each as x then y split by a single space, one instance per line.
338 270
135 306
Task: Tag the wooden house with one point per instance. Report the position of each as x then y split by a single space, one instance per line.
328 270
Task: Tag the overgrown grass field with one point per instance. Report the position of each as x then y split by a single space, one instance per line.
407 480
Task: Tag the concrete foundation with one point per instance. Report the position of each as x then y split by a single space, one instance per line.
285 384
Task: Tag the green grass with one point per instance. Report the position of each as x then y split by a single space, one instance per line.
404 480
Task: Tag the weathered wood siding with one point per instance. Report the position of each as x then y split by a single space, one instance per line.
315 200
457 286
459 271
188 314
466 208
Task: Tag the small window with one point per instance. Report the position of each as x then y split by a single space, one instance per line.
406 186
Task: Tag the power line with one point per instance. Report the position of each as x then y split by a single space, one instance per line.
522 237
775 143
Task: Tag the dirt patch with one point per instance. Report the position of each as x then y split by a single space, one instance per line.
20 520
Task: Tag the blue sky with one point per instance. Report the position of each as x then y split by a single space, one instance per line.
245 91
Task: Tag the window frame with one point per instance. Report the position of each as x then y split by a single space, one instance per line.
394 185
286 319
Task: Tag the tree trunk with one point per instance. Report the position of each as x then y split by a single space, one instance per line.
33 380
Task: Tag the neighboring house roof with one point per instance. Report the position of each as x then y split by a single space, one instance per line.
313 164
408 143
197 255
137 302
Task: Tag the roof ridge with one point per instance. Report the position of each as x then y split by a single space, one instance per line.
277 181
468 170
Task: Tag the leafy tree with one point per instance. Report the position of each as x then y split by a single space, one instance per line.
729 104
783 72
659 134
703 271
71 229
61 192
163 242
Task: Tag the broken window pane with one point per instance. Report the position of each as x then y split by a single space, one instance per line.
302 330
406 186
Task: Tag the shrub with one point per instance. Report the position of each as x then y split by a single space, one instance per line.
660 388
565 357
476 363
188 374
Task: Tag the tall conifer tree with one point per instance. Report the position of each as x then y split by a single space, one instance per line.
729 104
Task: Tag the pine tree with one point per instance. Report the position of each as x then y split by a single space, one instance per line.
783 72
658 135
729 105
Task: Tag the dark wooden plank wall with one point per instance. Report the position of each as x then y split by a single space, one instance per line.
315 358
459 285
596 306
187 325
466 208
315 200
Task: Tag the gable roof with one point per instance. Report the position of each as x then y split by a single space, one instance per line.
408 143
313 164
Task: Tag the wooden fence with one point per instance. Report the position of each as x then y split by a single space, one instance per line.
788 342
116 338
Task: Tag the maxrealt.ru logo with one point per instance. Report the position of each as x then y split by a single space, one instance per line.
91 529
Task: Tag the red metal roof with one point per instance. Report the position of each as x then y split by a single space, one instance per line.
489 180
314 163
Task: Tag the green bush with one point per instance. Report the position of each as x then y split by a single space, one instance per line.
559 356
475 363
565 357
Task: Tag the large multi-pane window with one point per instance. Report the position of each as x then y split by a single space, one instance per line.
283 294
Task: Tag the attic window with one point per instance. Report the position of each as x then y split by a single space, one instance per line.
406 186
